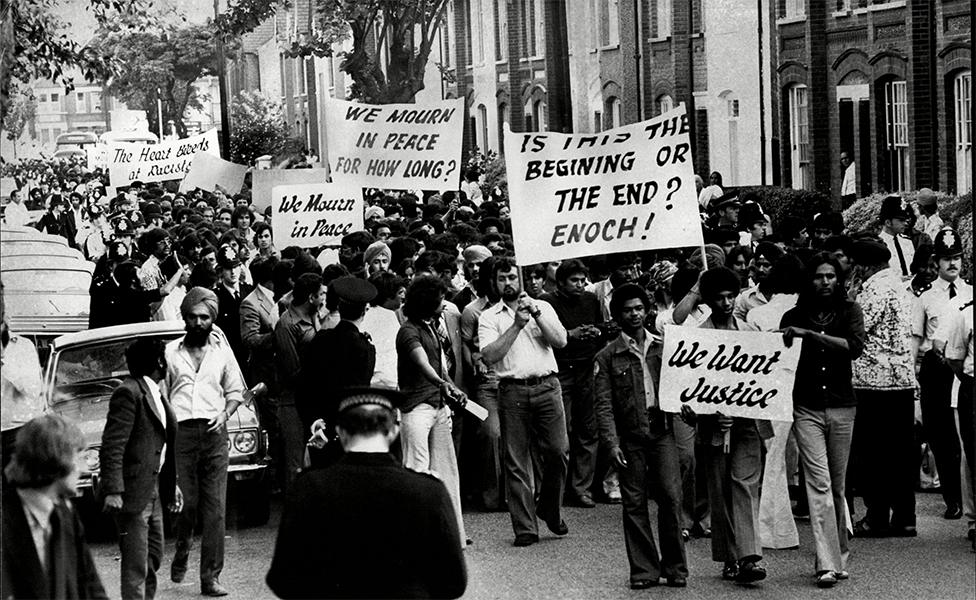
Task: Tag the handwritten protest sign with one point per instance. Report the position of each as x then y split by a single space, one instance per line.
208 171
315 215
264 180
157 162
625 189
738 373
396 146
97 156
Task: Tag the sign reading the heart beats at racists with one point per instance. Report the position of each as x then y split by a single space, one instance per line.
622 190
157 162
737 373
396 146
313 215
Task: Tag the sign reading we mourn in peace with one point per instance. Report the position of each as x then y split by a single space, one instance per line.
737 373
626 189
312 215
396 146
157 162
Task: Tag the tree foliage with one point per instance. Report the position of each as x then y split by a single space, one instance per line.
36 44
259 128
21 111
160 63
406 28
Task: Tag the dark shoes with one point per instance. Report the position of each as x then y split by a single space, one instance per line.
863 529
676 582
177 570
582 501
750 572
213 589
699 531
643 584
827 579
903 531
730 571
952 512
560 528
525 539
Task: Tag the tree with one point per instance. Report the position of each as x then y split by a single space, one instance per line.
164 62
407 28
36 45
21 111
259 127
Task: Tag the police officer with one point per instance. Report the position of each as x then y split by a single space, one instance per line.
336 358
894 218
367 527
947 291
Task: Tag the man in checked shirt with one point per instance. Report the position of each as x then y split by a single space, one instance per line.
205 388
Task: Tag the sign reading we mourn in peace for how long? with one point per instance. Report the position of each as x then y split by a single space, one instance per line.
625 189
737 373
312 215
157 162
396 146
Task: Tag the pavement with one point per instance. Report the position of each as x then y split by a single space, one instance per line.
591 562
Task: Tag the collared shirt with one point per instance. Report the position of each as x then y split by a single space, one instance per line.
604 291
266 293
150 274
530 354
930 225
849 186
382 325
887 362
20 384
695 318
907 250
157 398
292 333
16 215
641 352
933 305
747 300
958 330
202 393
38 508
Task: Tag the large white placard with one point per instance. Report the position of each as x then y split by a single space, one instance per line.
97 156
622 190
208 171
737 373
396 146
315 215
263 180
157 162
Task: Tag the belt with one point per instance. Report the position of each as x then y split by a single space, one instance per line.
527 381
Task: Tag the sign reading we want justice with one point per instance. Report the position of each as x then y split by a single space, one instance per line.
626 189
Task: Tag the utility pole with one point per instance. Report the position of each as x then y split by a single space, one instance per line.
222 84
159 112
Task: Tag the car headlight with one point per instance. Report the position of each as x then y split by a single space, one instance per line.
245 442
92 461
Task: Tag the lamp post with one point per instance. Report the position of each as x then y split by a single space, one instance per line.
159 112
222 84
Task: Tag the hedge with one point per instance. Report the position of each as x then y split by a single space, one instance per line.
778 202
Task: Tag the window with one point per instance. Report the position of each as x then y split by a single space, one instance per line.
532 27
55 98
732 120
281 73
664 104
612 106
608 19
483 129
45 136
662 19
896 135
963 101
96 98
795 8
477 32
597 121
799 137
446 32
503 119
301 83
501 29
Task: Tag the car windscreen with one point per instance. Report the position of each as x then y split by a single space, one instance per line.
91 370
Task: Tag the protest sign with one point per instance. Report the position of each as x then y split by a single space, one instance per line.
737 373
208 171
263 180
396 146
157 162
315 215
97 156
626 189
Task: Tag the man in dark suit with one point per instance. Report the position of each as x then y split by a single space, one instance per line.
336 358
367 527
43 542
230 292
138 466
258 317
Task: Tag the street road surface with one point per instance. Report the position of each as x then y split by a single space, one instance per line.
590 563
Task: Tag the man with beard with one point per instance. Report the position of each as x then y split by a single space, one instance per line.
579 312
760 266
946 293
642 443
473 256
205 387
517 336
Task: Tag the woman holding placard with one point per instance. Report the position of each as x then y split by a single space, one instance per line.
832 330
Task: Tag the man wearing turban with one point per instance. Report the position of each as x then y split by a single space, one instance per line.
205 388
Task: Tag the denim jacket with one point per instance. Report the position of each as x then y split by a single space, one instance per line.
618 388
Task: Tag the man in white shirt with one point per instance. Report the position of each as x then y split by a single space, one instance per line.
382 325
894 218
205 387
15 215
929 222
517 336
848 189
935 377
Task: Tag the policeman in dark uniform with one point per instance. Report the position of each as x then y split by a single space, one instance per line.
366 527
336 359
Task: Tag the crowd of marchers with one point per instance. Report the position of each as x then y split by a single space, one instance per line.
430 300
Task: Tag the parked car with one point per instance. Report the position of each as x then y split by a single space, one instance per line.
86 367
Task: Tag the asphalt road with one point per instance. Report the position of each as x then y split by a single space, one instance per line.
591 563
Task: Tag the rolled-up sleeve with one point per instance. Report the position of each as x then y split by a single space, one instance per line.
231 380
